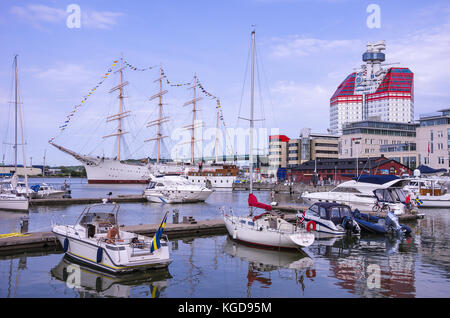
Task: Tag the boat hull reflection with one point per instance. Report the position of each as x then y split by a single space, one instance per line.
89 282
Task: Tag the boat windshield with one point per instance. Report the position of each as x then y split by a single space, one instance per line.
398 195
100 213
383 195
346 189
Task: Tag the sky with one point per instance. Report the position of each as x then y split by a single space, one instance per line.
304 50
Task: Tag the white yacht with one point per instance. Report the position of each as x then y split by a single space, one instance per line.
45 190
359 194
175 189
428 192
97 240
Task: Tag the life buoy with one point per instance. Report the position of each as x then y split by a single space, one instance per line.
308 226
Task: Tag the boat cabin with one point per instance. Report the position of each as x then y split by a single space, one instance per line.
99 218
334 212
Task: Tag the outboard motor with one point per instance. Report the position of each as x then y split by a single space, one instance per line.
394 227
351 226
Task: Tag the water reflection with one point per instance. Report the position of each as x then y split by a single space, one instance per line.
262 261
89 282
371 266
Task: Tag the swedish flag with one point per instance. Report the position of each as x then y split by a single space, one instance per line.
156 239
419 202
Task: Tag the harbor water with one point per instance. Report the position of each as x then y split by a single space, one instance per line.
216 267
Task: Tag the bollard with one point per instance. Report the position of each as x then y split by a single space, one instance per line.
24 225
175 216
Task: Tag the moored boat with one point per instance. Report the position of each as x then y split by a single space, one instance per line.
97 240
330 220
175 189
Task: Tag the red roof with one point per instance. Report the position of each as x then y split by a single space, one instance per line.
279 137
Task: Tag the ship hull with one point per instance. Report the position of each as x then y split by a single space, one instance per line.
109 171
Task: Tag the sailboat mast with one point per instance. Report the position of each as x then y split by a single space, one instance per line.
16 96
217 134
252 97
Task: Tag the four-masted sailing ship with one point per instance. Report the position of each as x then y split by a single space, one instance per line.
114 170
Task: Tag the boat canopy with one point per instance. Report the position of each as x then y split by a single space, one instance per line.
428 170
376 179
253 201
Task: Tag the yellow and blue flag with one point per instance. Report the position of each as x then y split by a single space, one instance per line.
156 239
419 202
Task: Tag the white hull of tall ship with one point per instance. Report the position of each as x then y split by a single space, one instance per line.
114 171
106 170
12 202
225 182
258 232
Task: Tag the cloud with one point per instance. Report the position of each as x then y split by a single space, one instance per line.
295 46
42 17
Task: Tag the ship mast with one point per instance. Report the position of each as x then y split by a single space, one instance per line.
119 116
194 111
158 122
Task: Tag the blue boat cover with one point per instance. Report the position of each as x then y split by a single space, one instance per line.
426 169
376 179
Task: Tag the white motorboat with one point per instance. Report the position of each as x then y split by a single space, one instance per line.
45 190
359 194
268 229
330 220
428 192
175 189
97 240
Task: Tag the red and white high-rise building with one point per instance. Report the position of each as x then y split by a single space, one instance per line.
373 91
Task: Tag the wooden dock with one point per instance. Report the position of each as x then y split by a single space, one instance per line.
48 241
67 201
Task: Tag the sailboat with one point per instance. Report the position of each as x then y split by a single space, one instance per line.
112 170
268 229
10 199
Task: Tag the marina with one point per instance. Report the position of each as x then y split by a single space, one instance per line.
205 152
246 271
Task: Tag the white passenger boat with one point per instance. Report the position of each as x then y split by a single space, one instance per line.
268 229
96 240
175 189
359 194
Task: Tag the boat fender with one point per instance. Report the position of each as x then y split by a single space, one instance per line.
99 254
235 234
308 226
66 244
